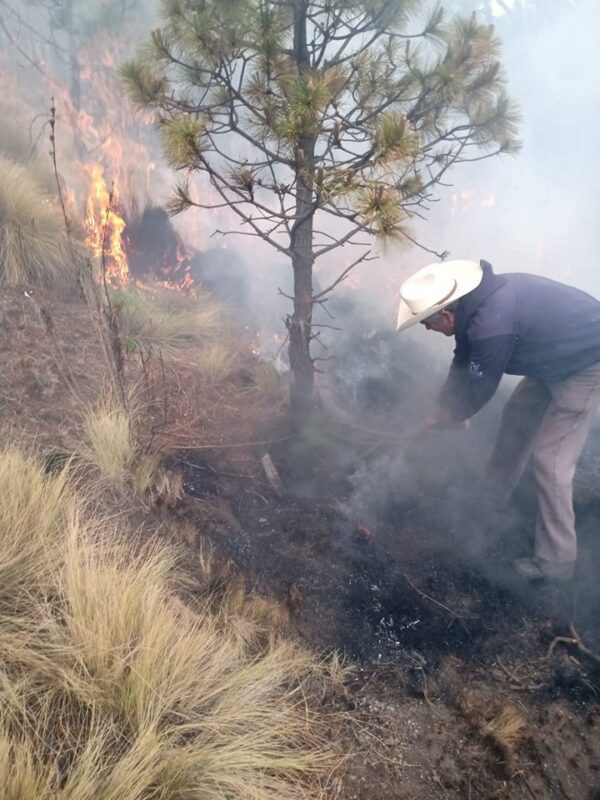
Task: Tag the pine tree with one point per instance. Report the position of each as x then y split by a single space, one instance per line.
304 111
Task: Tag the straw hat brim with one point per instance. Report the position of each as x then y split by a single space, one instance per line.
466 275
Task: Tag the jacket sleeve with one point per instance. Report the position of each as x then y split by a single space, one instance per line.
471 383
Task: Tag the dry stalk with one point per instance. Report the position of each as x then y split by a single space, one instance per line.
43 311
55 166
113 348
421 593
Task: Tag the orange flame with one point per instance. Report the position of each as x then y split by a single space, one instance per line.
104 226
99 141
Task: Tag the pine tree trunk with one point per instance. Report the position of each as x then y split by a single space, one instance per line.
300 323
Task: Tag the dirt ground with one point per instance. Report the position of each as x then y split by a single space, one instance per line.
465 683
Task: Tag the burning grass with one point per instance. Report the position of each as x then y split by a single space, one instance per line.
33 244
111 686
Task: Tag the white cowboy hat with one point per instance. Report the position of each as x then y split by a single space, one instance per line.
434 287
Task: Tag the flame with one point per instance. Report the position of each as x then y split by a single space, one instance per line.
106 155
104 226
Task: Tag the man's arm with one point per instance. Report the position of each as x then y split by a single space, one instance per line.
471 384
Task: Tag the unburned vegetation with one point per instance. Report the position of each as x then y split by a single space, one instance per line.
33 242
125 672
120 679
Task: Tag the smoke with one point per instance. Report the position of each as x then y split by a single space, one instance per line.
68 55
533 212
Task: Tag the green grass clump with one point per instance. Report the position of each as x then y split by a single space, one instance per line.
194 328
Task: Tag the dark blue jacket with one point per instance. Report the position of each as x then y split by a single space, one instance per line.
519 324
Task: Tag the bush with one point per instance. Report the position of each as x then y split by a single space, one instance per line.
112 687
33 243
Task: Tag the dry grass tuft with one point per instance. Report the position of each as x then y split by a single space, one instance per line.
33 243
111 687
21 774
108 441
507 728
502 724
34 510
190 330
271 389
219 581
111 444
16 144
216 362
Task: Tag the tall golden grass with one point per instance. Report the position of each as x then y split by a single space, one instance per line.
33 242
108 441
34 510
112 687
111 442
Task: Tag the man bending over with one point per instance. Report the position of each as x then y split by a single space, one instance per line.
518 324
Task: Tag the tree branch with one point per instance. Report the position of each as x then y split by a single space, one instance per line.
343 275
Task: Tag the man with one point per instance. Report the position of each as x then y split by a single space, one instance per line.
526 325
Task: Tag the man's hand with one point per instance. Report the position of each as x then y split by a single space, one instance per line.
439 419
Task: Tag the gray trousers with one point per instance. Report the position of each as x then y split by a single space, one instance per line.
548 422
